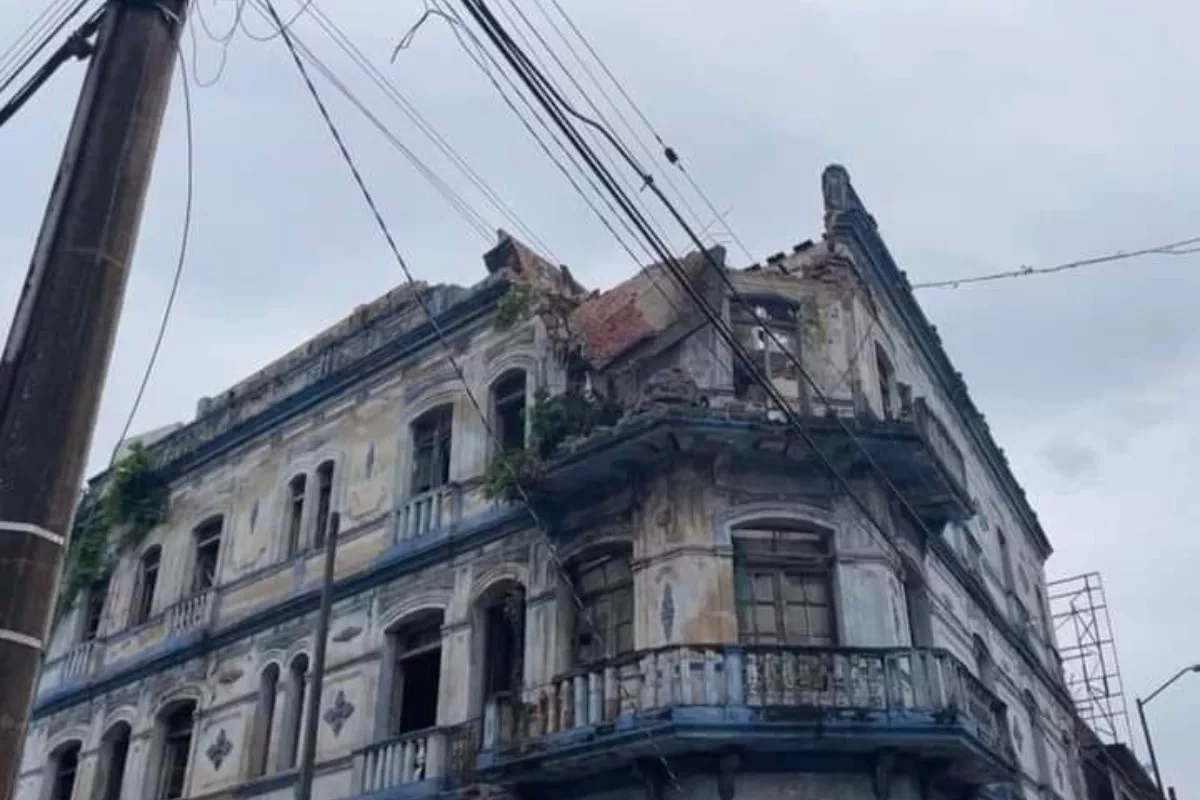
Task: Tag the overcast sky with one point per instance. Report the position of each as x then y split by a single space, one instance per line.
982 134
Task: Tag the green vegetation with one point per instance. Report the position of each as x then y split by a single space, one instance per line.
515 306
552 421
134 501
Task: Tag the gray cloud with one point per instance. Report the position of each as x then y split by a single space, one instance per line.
982 134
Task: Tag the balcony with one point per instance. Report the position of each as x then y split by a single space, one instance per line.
780 700
79 661
190 613
410 758
430 511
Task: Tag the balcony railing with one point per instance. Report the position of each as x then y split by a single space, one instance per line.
189 613
407 758
430 511
79 661
934 432
831 684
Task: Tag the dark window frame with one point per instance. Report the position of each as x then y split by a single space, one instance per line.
179 728
149 565
772 560
509 409
325 476
297 488
66 771
206 541
604 620
432 436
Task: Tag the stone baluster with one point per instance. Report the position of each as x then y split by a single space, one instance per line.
581 700
736 679
612 694
754 693
566 704
596 681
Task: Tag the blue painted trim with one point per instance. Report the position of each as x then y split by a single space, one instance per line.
748 726
471 308
999 619
404 558
854 225
421 552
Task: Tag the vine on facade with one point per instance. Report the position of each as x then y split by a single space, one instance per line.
133 502
553 420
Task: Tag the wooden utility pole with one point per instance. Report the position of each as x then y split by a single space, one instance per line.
55 361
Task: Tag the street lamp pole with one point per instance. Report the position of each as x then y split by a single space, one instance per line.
1141 708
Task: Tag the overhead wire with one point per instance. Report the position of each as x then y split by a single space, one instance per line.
574 82
670 153
461 205
25 56
389 88
522 66
1179 248
527 73
368 198
189 128
478 56
587 70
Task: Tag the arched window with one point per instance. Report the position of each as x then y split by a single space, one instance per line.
293 715
783 579
499 635
416 667
175 729
64 765
508 410
207 540
147 582
295 519
324 502
264 719
604 621
114 752
431 435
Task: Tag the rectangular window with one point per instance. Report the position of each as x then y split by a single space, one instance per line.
784 592
208 549
324 501
768 331
887 382
509 402
431 450
417 674
604 626
147 583
94 613
176 748
296 490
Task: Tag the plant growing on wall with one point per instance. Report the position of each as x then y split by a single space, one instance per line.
553 420
514 306
133 502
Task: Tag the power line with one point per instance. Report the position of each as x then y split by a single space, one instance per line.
1180 248
427 128
477 57
418 296
670 153
27 56
183 247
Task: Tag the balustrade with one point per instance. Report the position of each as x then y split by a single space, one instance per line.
429 511
408 758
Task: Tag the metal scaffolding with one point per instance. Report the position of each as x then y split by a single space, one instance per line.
1089 655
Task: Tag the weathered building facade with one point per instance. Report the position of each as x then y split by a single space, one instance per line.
580 554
